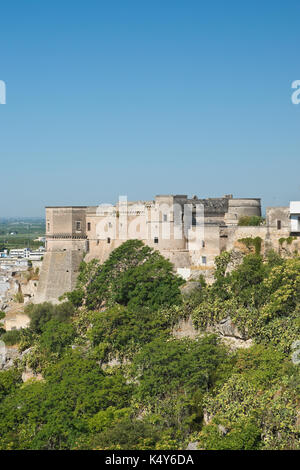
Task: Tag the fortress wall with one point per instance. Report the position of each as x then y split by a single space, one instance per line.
180 258
58 275
67 244
238 208
62 220
209 247
100 249
236 233
74 231
275 214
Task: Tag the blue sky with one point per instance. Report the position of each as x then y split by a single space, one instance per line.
147 97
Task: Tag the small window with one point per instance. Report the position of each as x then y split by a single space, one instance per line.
108 240
48 226
155 239
203 244
89 226
278 224
165 218
78 226
204 260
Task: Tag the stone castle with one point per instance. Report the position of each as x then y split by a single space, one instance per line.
168 224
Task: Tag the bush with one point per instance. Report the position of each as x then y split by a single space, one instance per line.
134 275
120 331
127 434
56 336
9 381
11 337
19 297
253 220
167 367
42 313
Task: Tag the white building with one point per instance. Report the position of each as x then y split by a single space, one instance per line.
25 253
36 255
295 216
19 253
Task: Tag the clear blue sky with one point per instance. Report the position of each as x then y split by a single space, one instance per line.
147 97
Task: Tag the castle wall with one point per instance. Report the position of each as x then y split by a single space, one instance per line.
63 221
237 233
66 246
58 275
278 214
238 208
95 232
203 251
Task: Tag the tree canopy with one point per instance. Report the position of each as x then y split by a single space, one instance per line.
109 373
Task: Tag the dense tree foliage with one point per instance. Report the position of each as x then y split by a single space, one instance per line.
113 375
261 297
134 275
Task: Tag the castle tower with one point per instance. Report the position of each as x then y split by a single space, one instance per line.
66 244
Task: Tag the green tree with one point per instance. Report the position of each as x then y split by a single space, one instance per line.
133 275
55 413
56 336
40 314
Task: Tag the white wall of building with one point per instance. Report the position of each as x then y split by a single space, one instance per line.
295 216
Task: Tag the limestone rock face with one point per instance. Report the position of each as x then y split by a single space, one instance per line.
207 418
234 343
185 329
236 258
28 374
227 328
11 355
189 287
192 445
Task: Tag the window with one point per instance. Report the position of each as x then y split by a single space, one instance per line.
155 239
203 244
165 218
89 226
108 240
48 226
203 259
78 225
278 224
